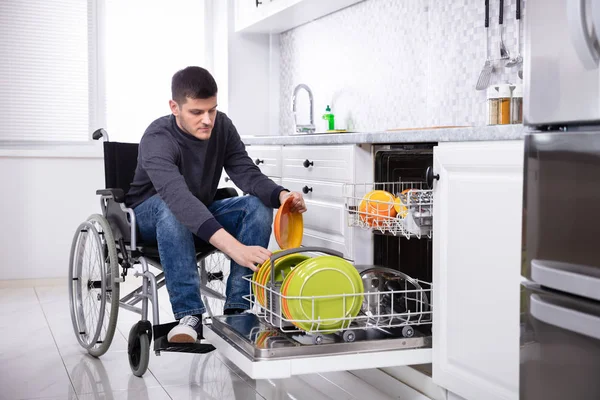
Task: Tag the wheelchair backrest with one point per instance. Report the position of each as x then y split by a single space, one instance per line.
120 161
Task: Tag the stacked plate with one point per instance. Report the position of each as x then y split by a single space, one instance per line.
322 293
283 267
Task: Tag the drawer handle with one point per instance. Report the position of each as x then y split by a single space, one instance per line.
306 189
258 161
307 163
227 179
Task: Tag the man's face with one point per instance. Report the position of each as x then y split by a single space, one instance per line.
196 116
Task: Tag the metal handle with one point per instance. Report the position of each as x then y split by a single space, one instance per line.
566 277
501 13
258 3
430 176
564 318
308 163
487 13
580 37
258 161
275 257
518 10
227 179
306 189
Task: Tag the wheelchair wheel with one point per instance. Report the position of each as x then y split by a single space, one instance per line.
93 285
214 275
138 351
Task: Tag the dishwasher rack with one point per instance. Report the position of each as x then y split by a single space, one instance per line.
401 308
409 214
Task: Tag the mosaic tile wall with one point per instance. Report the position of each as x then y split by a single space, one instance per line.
385 64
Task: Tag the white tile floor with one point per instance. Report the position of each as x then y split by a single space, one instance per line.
41 359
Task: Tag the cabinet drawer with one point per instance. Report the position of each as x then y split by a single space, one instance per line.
325 217
268 159
329 163
316 190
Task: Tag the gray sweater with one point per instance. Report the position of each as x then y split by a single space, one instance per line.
185 171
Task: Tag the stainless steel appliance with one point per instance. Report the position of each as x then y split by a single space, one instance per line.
560 294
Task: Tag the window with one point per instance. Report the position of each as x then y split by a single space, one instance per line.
147 41
45 72
69 67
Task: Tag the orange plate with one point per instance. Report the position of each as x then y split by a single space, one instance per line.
288 227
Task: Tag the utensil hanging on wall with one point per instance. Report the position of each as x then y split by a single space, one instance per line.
504 53
486 71
517 61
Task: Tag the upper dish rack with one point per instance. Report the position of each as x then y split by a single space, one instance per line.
396 208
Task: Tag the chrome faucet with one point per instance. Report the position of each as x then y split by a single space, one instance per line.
310 128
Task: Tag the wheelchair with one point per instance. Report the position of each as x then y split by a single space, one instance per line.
106 247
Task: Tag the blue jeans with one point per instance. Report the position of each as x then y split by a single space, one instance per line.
246 218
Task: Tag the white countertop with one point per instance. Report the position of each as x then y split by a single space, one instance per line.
480 133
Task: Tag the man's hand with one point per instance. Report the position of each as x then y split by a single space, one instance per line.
297 202
246 256
250 256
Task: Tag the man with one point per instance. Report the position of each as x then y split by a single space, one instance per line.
180 160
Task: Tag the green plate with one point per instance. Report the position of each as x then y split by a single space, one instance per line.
325 276
283 266
284 284
256 276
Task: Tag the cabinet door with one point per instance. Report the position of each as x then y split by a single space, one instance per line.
247 12
476 268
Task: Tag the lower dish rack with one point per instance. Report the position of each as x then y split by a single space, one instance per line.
385 300
390 327
396 208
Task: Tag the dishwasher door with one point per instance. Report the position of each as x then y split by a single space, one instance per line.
262 352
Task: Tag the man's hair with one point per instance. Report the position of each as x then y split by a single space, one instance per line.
192 82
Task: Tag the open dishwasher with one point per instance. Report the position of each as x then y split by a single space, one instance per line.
384 321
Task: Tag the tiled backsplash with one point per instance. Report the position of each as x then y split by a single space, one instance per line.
385 64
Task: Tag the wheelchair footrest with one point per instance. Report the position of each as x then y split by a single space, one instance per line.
162 344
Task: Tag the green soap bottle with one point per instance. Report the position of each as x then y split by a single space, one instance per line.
328 116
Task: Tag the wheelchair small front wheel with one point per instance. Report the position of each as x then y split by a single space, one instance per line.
93 285
138 351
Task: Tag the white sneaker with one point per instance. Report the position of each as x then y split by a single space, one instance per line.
186 331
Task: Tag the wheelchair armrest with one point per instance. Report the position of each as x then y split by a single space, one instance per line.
117 194
225 193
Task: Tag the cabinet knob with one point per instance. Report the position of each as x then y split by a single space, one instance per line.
258 161
306 189
227 179
258 3
430 176
307 163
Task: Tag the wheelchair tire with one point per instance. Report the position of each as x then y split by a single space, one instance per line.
214 272
138 353
93 285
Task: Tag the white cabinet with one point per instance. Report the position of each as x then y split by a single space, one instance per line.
320 172
476 268
276 16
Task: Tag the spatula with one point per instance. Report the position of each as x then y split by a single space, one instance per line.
488 67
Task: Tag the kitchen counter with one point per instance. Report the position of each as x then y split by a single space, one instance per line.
480 133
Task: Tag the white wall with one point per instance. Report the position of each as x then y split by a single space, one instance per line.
385 64
251 63
43 201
